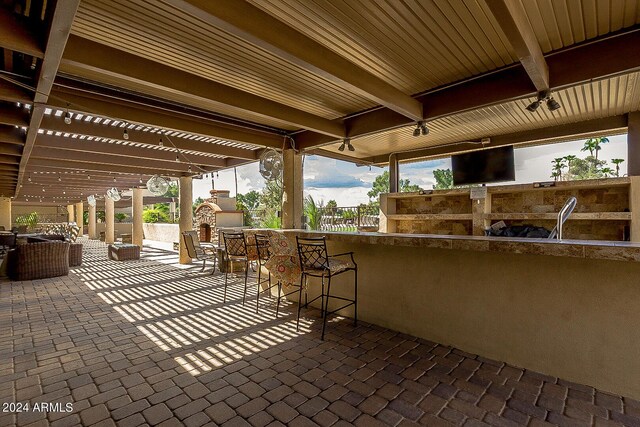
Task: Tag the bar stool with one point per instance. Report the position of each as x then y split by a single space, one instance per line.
263 254
235 251
315 262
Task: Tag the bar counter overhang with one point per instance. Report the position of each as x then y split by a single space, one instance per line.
567 308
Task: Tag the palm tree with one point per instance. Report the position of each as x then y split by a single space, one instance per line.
558 165
313 213
596 144
617 163
569 158
607 172
555 175
590 146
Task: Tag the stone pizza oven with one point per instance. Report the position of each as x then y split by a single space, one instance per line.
217 211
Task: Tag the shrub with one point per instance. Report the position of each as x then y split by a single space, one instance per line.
154 215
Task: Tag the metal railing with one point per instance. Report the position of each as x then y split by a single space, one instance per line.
563 215
341 218
350 218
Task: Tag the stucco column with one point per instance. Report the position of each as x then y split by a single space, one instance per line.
109 236
71 217
633 144
186 215
136 207
292 187
80 217
5 212
92 222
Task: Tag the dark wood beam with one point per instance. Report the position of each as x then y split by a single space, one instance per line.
551 134
119 109
17 35
107 65
85 128
250 23
11 92
595 59
58 34
11 135
12 115
10 150
515 25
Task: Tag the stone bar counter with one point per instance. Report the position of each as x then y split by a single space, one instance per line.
568 308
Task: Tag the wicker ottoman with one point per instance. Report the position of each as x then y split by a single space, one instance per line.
124 252
75 254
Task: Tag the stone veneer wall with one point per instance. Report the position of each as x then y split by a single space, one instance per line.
612 199
459 228
459 204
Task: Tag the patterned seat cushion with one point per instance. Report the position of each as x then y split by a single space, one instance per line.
335 266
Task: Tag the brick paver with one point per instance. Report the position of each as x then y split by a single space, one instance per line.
145 342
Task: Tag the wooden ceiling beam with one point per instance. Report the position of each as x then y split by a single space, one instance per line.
36 163
589 61
553 133
11 135
95 61
12 115
13 93
17 36
142 153
10 150
250 23
514 23
87 128
64 11
119 109
108 160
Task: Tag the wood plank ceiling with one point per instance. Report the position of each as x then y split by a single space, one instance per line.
219 81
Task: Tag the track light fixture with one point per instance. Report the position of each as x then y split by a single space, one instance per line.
543 96
346 142
552 104
421 128
140 180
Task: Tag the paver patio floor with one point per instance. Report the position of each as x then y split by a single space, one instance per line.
146 343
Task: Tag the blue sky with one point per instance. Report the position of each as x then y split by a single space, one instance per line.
348 184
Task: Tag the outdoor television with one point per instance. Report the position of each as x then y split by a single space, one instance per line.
484 166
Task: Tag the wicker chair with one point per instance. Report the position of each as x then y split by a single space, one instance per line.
38 260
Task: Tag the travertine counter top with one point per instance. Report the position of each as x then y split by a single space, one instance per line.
590 249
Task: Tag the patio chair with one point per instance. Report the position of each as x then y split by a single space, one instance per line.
235 251
194 250
315 262
262 256
7 241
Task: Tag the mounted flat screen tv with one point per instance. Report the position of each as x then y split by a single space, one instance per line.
484 166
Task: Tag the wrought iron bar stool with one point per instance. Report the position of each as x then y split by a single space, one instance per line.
235 251
315 262
263 255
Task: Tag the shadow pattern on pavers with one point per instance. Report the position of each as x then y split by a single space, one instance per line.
146 343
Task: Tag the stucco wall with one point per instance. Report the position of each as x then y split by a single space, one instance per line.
572 318
119 228
161 232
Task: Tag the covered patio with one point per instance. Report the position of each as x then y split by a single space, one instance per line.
97 97
146 342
